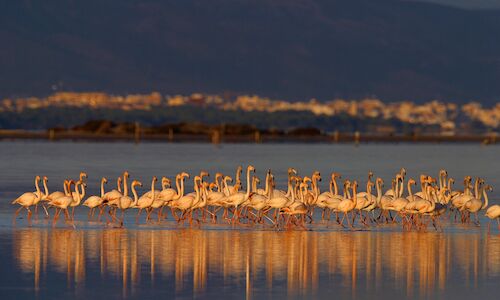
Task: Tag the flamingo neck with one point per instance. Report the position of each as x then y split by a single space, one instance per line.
82 193
134 192
197 191
379 192
315 188
45 187
393 188
401 187
466 188
102 188
238 175
217 183
78 195
266 190
293 193
476 188
409 191
348 193
38 192
125 186
152 193
449 184
203 196
67 188
226 188
369 191
271 188
182 187
248 183
177 179
335 186
289 188
485 199
433 204
355 195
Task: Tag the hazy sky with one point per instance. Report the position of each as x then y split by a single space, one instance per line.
469 3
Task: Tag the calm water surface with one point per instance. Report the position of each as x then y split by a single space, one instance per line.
211 261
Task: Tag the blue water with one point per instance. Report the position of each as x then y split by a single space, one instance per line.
214 261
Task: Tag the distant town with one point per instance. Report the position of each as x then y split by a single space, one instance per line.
445 118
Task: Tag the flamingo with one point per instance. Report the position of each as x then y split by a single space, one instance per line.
114 195
493 212
475 204
237 199
57 194
77 197
385 202
347 205
277 193
364 200
296 208
159 201
28 199
43 198
125 202
145 201
178 200
62 203
459 201
95 201
233 189
186 202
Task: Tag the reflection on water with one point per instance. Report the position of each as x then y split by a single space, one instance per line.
249 263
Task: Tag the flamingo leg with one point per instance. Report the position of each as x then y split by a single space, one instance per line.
347 217
56 215
46 211
342 221
138 215
29 216
174 214
16 213
36 211
101 212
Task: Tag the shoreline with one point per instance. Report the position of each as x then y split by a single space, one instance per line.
217 138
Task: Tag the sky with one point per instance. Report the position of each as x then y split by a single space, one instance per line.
474 4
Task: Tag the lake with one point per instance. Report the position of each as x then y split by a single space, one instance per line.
213 261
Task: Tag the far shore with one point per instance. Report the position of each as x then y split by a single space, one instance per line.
244 138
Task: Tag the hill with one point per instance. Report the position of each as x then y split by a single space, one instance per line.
294 49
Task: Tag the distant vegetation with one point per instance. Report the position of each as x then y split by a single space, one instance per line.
69 117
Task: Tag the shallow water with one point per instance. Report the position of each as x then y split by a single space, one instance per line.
211 261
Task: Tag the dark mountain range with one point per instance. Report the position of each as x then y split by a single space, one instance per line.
293 49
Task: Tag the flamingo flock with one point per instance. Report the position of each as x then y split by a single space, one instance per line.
236 202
